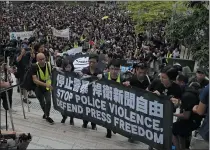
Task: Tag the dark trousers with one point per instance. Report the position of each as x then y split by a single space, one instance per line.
188 141
65 117
85 122
4 99
44 98
109 132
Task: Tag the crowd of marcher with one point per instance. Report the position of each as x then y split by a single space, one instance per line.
114 35
115 38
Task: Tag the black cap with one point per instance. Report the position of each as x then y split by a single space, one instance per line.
201 70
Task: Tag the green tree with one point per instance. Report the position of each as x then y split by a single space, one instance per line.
186 23
148 14
192 30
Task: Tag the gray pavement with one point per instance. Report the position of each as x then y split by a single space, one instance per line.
64 136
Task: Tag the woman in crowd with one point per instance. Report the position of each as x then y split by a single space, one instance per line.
166 85
67 66
38 48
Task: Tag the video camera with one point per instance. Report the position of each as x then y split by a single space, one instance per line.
12 141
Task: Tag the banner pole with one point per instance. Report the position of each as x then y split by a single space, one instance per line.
21 98
10 111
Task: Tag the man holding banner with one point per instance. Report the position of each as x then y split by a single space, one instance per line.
131 112
91 70
41 75
114 74
140 78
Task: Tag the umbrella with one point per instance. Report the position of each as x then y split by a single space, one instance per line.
105 17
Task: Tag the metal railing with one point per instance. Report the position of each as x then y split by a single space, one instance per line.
9 107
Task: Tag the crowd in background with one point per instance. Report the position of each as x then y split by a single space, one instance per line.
116 38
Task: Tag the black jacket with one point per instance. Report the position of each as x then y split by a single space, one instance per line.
204 83
189 99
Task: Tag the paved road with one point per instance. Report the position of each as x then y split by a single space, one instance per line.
64 136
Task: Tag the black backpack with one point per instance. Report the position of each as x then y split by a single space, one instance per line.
28 82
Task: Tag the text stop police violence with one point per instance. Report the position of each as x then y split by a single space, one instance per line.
97 109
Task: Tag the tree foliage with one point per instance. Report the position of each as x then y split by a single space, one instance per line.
186 23
192 31
147 14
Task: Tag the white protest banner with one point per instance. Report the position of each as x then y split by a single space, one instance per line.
72 51
61 33
22 35
80 61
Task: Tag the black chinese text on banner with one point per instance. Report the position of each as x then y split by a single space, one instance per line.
130 112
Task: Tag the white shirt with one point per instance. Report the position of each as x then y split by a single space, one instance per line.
175 54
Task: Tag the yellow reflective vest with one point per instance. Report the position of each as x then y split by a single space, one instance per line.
75 45
45 76
168 55
118 77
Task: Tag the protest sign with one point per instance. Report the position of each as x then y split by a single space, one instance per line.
72 51
125 68
22 35
182 62
81 61
61 33
131 112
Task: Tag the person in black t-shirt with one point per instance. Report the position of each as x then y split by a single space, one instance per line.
93 71
200 77
41 75
166 85
187 120
23 63
67 66
140 79
115 75
182 81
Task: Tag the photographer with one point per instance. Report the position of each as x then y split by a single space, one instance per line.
5 82
23 63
